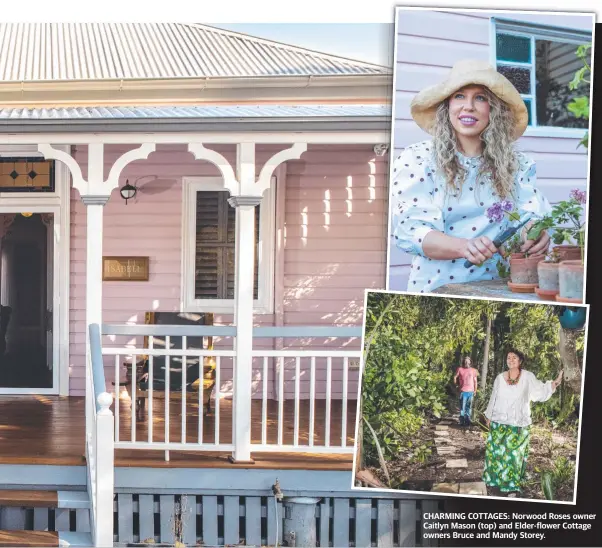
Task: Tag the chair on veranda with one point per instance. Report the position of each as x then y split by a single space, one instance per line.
176 363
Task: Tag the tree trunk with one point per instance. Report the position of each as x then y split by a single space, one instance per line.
485 366
474 355
570 360
360 463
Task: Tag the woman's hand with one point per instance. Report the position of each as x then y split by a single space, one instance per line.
535 247
558 379
478 250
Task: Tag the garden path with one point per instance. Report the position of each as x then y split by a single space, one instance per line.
461 450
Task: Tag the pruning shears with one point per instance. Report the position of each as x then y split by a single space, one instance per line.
503 238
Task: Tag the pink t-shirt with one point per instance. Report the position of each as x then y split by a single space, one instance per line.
467 376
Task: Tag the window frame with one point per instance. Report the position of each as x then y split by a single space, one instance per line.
537 32
264 304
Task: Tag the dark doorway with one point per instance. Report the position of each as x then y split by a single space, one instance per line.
26 301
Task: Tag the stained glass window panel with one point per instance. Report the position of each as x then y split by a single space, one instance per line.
528 105
519 76
513 48
26 175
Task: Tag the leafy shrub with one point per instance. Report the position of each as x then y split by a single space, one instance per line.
560 476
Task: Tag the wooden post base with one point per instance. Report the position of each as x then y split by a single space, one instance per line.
233 461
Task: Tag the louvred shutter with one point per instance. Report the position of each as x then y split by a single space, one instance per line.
215 246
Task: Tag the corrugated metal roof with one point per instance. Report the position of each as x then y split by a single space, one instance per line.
219 111
99 51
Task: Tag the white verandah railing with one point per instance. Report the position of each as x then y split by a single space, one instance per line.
319 416
99 443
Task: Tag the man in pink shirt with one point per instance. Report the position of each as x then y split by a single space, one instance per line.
467 375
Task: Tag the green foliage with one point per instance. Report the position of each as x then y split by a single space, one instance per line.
503 268
560 476
415 346
563 472
422 453
514 244
547 485
565 221
579 106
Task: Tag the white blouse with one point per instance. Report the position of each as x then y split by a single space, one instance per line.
420 203
510 403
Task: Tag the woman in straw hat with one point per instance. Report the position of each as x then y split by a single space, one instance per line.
442 188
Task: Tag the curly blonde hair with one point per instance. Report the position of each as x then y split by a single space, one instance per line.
499 158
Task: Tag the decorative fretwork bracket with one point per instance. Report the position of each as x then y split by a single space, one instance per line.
242 181
96 185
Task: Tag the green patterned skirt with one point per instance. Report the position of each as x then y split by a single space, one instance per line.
506 456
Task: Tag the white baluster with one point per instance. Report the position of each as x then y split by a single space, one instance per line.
280 400
151 346
218 372
297 396
312 400
117 356
184 371
133 406
344 411
167 372
264 403
328 399
201 398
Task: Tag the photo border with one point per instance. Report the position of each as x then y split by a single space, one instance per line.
399 8
428 494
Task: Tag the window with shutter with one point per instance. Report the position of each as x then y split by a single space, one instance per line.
215 246
208 248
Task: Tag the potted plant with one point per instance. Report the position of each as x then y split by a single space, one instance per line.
565 220
547 274
522 267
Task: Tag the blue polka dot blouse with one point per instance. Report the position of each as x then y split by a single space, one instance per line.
421 202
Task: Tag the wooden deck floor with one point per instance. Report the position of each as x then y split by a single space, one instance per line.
50 430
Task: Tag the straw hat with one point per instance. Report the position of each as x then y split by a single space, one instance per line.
465 73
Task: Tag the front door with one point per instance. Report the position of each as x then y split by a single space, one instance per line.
28 357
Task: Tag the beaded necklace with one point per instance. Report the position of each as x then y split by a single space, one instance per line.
512 381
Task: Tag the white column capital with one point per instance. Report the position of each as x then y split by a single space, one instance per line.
237 201
89 199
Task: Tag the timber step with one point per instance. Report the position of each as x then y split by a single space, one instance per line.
30 498
44 538
29 538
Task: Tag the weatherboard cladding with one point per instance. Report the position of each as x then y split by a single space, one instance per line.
167 112
100 51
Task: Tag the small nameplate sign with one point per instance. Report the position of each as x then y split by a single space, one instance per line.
125 269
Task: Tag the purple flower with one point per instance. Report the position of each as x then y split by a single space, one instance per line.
507 205
496 211
579 195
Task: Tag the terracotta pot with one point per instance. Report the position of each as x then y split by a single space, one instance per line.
523 270
548 276
571 280
568 252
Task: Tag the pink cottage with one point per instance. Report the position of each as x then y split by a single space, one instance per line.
189 220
